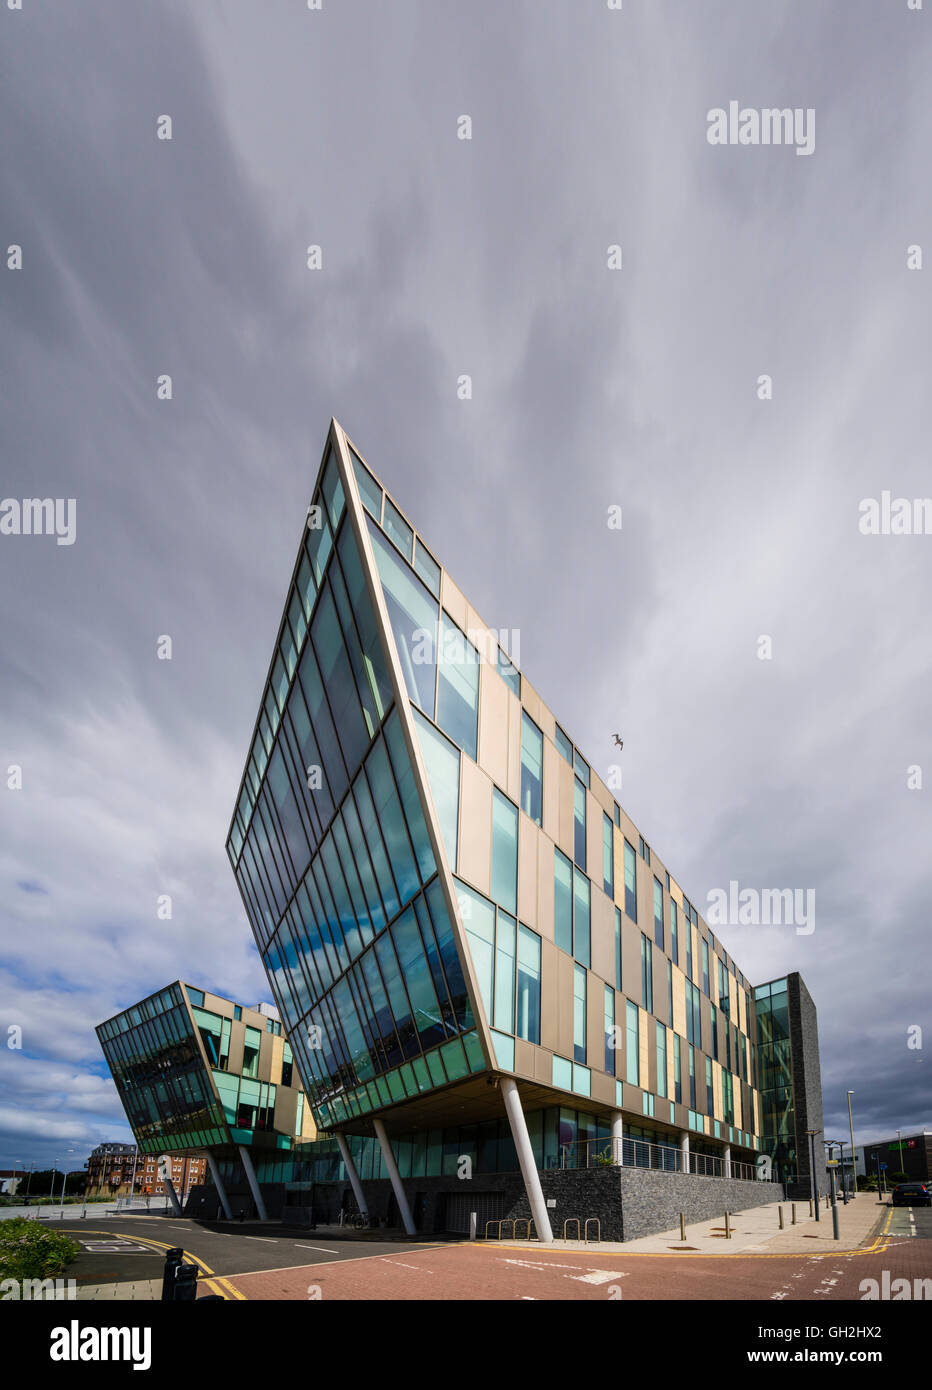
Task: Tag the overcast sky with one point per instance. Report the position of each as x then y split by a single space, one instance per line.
591 387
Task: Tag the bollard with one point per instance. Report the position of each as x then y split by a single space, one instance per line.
727 1227
835 1231
780 1214
794 1213
173 1259
186 1283
810 1206
473 1220
682 1226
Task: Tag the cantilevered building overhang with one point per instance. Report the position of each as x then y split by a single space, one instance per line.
198 1073
457 919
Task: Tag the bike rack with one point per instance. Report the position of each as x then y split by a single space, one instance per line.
570 1220
523 1221
493 1223
598 1229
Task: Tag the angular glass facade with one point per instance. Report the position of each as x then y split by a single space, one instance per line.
775 1078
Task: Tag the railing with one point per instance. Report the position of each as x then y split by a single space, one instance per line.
639 1153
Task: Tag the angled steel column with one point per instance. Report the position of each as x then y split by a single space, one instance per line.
684 1151
218 1184
395 1176
351 1173
173 1196
253 1184
535 1193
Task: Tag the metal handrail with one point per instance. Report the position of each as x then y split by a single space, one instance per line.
641 1153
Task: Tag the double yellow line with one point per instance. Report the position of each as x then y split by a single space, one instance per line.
215 1282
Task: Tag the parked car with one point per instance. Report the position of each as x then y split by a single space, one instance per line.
912 1194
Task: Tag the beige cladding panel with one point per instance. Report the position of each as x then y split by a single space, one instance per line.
493 725
551 791
738 1122
602 931
549 985
524 1058
604 798
594 840
529 840
679 1001
671 1078
595 1022
644 1021
215 1005
565 784
544 886
513 781
454 601
278 1054
237 1043
717 1100
474 851
537 709
630 959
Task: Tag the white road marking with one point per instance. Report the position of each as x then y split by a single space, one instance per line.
267 1240
598 1276
317 1247
419 1268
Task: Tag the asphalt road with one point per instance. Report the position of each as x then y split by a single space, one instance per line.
266 1262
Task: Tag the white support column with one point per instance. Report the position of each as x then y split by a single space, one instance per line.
351 1173
214 1167
618 1134
253 1184
684 1151
172 1196
535 1193
726 1164
395 1177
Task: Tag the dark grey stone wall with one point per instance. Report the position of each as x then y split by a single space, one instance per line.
807 1087
627 1202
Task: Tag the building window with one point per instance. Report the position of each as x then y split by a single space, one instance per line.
647 976
674 933
670 993
504 852
442 760
532 765
609 1029
608 856
581 915
251 1052
570 908
632 1072
579 824
581 768
689 948
618 948
562 902
709 1103
579 1013
631 889
457 687
692 1078
509 673
617 815
714 1031
504 1016
564 746
645 849
722 986
528 985
658 913
677 1070
705 967
661 1060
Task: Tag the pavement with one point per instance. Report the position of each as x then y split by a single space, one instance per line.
755 1231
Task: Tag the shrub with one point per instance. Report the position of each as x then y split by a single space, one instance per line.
30 1251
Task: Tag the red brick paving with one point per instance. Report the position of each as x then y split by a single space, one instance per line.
472 1273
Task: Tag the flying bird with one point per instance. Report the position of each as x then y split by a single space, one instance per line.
618 741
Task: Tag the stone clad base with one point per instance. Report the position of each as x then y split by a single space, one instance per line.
627 1202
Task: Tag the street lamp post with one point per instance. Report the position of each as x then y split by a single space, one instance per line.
854 1160
812 1182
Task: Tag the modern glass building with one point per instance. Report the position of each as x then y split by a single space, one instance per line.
199 1073
789 1079
474 950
